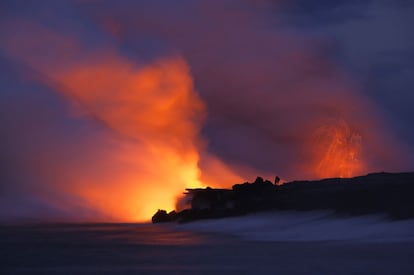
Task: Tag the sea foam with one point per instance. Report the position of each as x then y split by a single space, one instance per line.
308 226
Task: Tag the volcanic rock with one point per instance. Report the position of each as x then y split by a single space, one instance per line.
391 194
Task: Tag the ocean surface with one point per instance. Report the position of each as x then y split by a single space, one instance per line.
282 243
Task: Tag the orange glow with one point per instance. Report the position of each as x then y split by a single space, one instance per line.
147 153
156 114
215 173
339 151
146 119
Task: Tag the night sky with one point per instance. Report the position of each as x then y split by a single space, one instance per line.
109 109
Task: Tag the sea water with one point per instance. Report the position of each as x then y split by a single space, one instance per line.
282 243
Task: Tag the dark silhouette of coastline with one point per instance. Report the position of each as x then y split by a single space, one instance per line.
391 194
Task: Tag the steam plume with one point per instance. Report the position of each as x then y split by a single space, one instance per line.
269 88
164 97
152 116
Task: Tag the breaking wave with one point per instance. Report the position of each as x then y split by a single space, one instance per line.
308 226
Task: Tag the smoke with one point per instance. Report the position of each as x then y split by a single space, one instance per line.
116 114
151 113
269 88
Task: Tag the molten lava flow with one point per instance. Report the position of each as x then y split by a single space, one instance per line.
340 149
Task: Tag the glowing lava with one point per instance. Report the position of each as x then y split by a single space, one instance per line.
339 147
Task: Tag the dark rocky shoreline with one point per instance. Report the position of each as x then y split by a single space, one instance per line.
391 194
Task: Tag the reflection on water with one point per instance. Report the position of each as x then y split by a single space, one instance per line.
149 235
144 234
68 249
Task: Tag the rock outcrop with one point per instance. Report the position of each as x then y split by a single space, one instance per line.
391 194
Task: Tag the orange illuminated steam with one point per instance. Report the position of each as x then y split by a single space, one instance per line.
148 151
156 114
338 151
